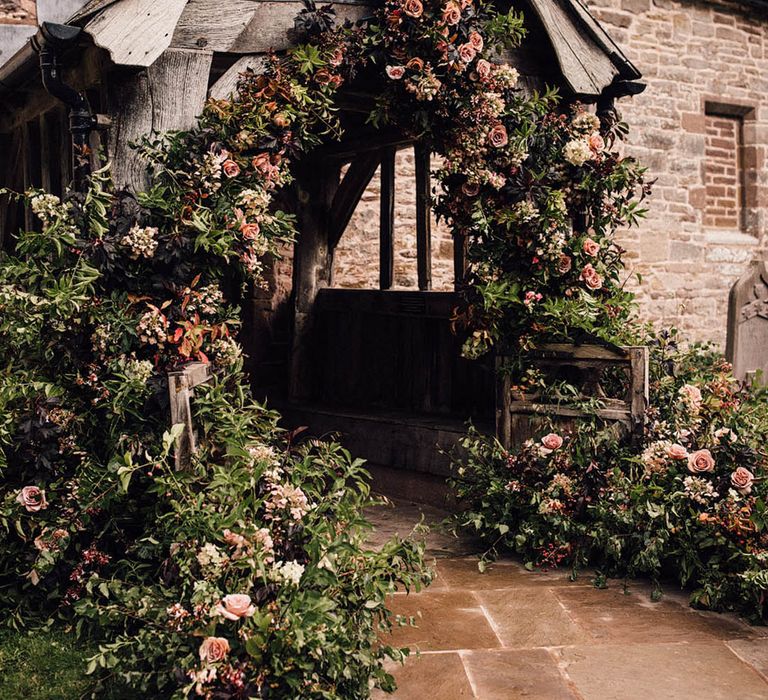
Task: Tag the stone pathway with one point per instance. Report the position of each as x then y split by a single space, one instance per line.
510 633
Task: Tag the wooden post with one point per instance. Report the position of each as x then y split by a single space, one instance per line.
423 217
181 385
387 219
167 95
459 260
316 184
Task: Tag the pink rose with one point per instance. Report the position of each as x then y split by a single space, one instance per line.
395 72
591 278
230 168
742 480
250 230
235 606
691 395
701 462
590 247
452 13
213 649
413 8
677 452
596 142
498 136
484 69
32 498
261 162
564 264
467 53
337 57
552 441
476 40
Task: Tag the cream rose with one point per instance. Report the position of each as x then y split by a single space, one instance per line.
230 168
742 480
413 8
395 72
677 451
590 247
596 142
498 136
213 649
250 230
553 441
691 395
701 462
235 606
32 498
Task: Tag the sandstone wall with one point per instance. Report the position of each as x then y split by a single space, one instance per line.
701 128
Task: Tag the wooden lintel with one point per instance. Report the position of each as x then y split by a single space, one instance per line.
348 195
370 140
387 219
423 216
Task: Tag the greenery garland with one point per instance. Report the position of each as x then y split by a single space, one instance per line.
248 576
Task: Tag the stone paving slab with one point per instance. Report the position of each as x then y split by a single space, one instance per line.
510 633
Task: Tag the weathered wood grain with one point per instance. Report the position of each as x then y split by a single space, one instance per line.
226 86
167 95
247 26
135 32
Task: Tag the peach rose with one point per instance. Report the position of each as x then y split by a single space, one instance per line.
701 462
552 441
467 53
323 77
235 606
677 452
395 72
498 136
213 649
250 230
596 142
590 247
691 395
413 8
484 69
261 162
452 13
564 264
415 64
742 480
230 168
32 498
337 57
280 120
476 40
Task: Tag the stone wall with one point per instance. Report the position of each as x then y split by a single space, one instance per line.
706 65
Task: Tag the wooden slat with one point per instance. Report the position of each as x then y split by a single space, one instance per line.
586 67
136 32
348 195
423 217
167 95
387 220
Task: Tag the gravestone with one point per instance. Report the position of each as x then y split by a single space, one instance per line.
747 342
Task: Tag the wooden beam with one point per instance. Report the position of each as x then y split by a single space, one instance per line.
226 85
363 141
459 260
387 219
423 216
348 195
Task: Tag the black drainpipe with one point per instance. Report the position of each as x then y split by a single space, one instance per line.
49 42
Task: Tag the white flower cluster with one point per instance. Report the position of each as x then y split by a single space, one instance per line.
526 211
141 241
47 207
287 497
577 152
101 339
289 571
655 457
138 371
254 202
264 454
699 490
152 328
586 123
227 351
506 75
210 299
211 559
